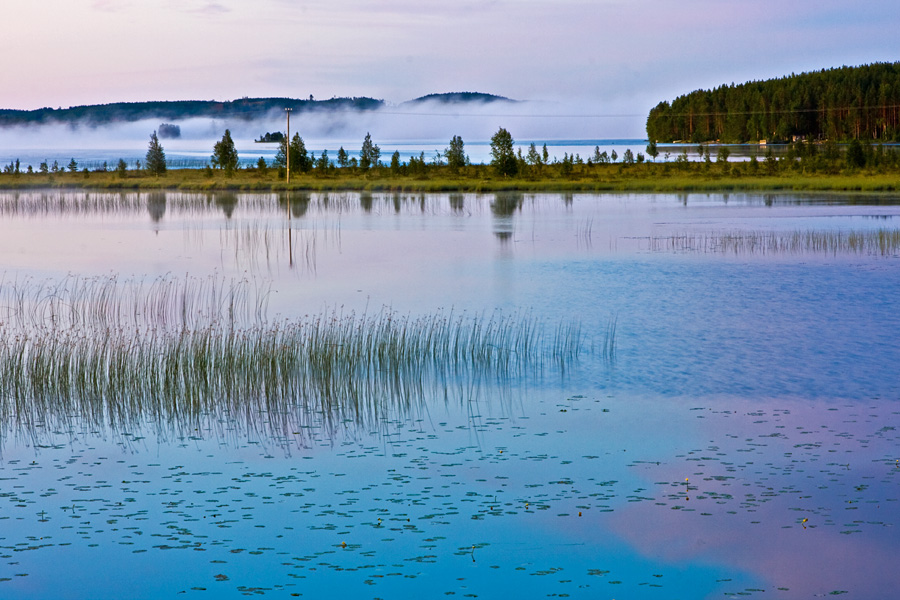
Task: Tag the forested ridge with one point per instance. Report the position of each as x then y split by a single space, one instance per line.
243 108
837 104
457 97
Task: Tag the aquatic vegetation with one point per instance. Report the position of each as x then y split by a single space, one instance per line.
112 302
879 242
181 351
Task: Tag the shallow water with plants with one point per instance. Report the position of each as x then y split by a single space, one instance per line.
464 395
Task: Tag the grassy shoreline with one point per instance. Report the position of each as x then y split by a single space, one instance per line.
637 178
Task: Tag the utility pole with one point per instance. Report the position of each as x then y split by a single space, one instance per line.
287 145
287 161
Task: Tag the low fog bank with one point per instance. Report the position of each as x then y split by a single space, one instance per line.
410 129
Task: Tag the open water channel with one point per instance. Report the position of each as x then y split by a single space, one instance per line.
726 425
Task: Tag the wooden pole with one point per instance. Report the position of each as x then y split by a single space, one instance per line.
287 145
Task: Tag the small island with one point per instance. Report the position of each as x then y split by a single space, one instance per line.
270 137
168 131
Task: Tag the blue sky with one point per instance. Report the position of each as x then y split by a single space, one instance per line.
595 57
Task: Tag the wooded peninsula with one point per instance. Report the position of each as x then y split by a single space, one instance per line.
841 104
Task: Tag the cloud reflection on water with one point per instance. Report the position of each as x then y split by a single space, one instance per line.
765 469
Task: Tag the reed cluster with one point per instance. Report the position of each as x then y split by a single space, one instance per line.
660 176
879 242
111 302
115 356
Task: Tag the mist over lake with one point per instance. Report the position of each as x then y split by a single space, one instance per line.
408 128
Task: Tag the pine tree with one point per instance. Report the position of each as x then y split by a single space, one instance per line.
323 164
225 155
395 163
156 157
369 154
300 160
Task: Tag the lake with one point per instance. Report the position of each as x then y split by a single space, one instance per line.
467 395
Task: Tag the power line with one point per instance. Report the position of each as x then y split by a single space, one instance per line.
510 115
628 115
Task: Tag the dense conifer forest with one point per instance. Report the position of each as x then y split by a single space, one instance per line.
838 104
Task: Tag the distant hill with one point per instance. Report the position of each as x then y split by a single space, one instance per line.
244 108
460 97
836 104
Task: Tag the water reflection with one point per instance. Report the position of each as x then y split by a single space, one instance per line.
156 206
187 204
802 534
503 207
227 202
296 204
365 201
457 202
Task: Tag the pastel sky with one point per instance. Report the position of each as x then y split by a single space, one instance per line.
597 57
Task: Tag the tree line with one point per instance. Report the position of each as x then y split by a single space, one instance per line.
506 160
511 162
242 108
839 104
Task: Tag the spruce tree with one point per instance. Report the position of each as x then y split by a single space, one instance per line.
395 163
300 160
225 155
156 158
369 154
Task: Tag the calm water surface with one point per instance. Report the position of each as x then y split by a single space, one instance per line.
741 441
